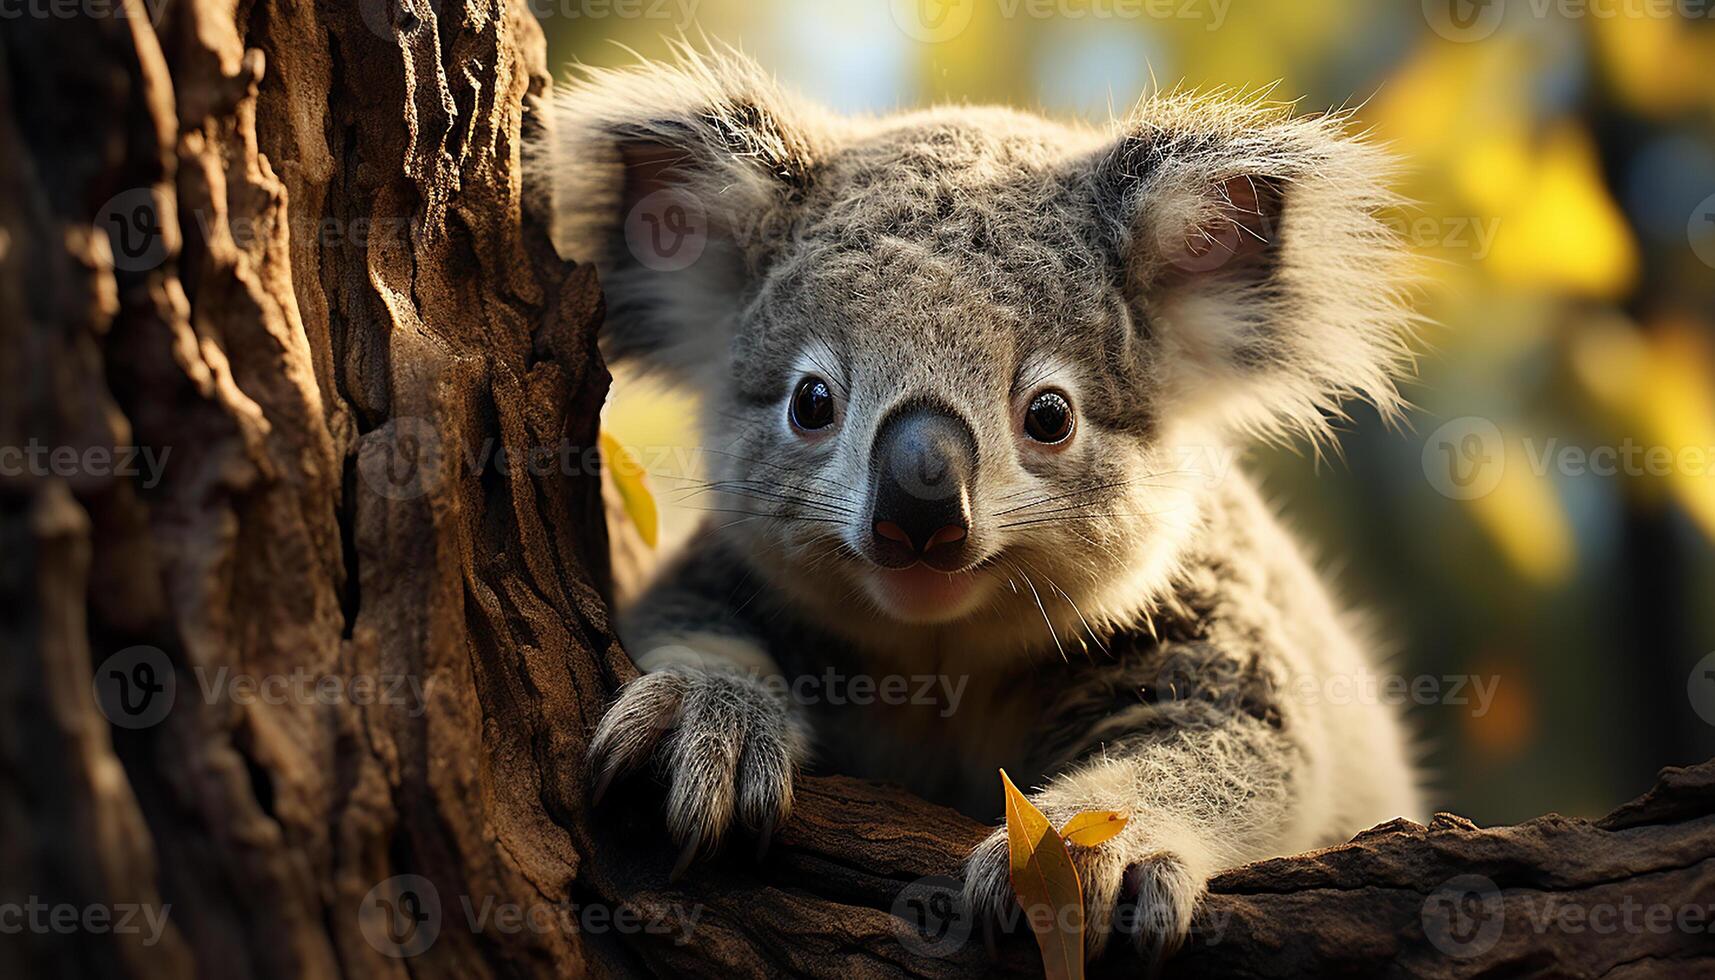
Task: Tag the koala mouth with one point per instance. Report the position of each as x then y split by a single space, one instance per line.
920 594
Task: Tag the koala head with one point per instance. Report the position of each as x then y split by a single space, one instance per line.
969 365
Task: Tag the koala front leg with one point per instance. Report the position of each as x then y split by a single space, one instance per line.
711 716
1205 786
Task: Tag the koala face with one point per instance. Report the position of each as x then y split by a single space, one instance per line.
971 365
935 382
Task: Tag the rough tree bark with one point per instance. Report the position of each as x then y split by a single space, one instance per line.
286 243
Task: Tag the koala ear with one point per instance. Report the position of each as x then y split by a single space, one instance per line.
675 180
1264 278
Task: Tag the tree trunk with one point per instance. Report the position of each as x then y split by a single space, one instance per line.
303 642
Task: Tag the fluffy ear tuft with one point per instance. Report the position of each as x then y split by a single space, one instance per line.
669 177
1259 260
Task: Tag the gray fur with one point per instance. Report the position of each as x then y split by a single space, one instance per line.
1203 269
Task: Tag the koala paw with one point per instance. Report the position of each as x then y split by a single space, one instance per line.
1133 886
723 741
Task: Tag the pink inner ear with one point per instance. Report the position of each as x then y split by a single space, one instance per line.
1242 226
1248 210
648 168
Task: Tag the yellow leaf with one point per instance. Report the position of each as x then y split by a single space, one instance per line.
1564 232
1654 64
1524 516
1093 827
1658 383
633 492
1046 885
1447 98
1679 416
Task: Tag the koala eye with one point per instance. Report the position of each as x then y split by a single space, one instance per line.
812 404
1049 418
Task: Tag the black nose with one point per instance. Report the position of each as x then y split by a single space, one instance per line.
921 470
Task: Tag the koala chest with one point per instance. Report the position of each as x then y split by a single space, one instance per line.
944 737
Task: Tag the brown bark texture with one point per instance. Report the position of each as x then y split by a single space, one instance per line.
302 575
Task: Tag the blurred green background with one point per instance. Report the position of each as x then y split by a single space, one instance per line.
1563 158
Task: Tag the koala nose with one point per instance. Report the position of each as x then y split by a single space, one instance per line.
921 469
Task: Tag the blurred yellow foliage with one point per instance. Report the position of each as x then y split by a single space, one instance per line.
1679 414
1524 517
1659 385
1560 230
1462 115
1447 97
1658 65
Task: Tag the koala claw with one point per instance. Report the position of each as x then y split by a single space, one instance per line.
764 837
1131 886
727 746
686 856
603 781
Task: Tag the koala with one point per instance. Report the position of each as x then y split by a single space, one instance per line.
970 381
